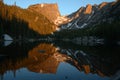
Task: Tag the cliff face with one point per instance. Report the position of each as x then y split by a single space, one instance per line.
88 9
50 11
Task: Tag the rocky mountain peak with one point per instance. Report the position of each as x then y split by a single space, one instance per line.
93 15
102 5
88 9
50 11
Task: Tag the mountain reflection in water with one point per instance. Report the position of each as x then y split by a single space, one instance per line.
47 61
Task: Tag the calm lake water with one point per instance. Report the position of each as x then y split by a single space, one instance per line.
58 61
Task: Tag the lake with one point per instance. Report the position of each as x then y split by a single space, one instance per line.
58 60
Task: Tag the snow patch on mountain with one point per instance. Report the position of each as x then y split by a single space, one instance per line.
7 37
90 16
76 23
83 25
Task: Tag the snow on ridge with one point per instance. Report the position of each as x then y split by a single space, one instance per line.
83 25
69 24
90 15
76 23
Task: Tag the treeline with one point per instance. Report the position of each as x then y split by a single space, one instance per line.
110 32
70 34
19 22
18 30
107 31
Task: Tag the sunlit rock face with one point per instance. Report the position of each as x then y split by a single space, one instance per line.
88 9
50 11
102 5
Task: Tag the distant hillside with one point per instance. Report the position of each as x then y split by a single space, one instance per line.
22 22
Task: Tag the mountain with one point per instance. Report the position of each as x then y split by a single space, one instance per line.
102 21
22 23
92 15
50 11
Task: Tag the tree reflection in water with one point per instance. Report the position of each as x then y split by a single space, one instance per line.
45 58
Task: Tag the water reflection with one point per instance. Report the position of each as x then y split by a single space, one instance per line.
45 61
5 43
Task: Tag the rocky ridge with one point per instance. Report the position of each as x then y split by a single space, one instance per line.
92 15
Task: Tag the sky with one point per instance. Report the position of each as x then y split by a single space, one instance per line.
65 6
